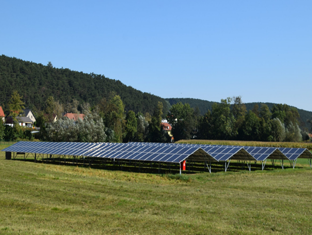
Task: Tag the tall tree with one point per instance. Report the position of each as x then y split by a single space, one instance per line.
278 131
223 120
288 115
239 111
50 107
131 126
265 112
293 133
251 127
155 131
205 126
142 128
183 120
16 105
113 113
255 110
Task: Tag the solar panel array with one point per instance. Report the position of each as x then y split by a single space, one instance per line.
55 148
264 153
154 153
217 153
158 152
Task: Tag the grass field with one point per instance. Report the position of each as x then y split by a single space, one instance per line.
37 198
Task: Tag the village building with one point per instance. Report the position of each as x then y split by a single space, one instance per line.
22 121
74 116
28 113
2 115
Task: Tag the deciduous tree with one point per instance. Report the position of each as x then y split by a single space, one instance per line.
16 105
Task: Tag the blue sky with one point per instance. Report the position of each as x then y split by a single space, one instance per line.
210 50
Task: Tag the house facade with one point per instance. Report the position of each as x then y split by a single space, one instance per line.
22 121
28 113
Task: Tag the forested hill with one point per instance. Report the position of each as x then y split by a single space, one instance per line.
36 82
205 105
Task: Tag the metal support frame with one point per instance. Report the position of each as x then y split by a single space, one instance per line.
249 165
180 168
208 166
294 163
310 163
263 164
283 164
226 165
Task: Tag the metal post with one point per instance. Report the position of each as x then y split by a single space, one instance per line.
294 163
283 164
180 168
208 166
226 165
310 162
249 166
263 164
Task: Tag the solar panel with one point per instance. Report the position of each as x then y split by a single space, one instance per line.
260 153
294 153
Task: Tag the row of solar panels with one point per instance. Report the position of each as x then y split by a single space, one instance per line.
159 152
259 153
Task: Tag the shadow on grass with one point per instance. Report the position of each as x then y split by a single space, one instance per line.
169 169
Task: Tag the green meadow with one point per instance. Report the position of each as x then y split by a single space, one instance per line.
40 198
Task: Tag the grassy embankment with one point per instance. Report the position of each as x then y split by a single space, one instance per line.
38 198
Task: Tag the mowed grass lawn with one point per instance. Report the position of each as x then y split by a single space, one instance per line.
37 198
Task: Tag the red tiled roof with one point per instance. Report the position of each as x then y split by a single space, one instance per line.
74 116
166 126
1 112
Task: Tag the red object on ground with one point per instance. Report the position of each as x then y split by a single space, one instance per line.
183 165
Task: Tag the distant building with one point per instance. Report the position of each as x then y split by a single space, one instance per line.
2 115
22 121
28 113
167 128
74 116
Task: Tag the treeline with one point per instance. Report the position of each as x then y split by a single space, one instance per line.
36 82
108 121
204 105
105 122
230 120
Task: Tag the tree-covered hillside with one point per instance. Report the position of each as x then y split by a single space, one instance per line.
36 82
205 105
